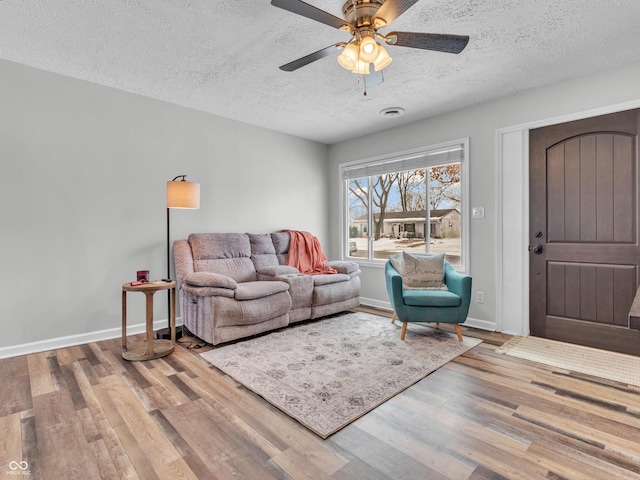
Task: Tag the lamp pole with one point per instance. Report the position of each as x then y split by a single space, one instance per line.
180 194
165 333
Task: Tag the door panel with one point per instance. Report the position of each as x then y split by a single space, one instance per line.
596 293
583 217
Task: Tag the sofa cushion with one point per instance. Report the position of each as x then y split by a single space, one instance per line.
423 271
261 243
232 313
335 292
208 279
281 242
240 269
253 290
207 246
225 253
431 298
263 253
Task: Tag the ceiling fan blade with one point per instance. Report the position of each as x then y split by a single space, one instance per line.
312 57
374 78
429 41
392 9
314 13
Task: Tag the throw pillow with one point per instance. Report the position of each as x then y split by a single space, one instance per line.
423 272
397 262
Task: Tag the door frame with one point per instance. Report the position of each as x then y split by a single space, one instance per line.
512 216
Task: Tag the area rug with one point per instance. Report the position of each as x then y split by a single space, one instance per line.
328 373
576 358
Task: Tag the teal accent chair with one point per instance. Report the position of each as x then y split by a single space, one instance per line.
429 306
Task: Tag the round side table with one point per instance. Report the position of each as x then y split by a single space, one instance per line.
150 348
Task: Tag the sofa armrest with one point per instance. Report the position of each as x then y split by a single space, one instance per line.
192 291
344 267
183 259
394 287
457 282
208 279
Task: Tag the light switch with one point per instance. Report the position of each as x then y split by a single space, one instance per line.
477 212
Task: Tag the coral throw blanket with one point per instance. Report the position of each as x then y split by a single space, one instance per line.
305 253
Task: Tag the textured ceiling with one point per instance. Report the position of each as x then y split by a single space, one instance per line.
222 56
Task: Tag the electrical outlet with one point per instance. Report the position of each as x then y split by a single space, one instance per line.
479 297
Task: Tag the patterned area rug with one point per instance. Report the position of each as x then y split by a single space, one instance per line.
329 373
576 358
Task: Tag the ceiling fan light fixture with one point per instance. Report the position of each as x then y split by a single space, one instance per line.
383 60
363 54
369 49
379 23
348 59
361 68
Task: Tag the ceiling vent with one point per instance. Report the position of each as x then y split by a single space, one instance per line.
392 112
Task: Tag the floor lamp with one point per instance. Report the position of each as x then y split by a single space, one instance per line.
180 194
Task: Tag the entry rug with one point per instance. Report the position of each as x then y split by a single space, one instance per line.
329 373
618 367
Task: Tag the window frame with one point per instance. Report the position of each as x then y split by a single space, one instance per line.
465 211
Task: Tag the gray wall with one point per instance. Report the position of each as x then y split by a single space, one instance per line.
82 201
479 123
84 169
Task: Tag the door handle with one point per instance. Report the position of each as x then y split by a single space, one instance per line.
537 249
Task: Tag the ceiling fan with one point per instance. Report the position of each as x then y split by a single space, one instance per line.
363 54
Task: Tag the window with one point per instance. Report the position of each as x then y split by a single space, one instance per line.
413 202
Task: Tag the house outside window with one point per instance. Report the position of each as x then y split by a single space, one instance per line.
414 202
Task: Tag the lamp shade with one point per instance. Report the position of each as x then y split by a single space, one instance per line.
368 49
383 60
182 194
349 57
361 68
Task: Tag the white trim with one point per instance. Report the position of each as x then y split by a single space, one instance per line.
479 324
72 340
403 153
512 309
499 240
372 302
465 211
512 258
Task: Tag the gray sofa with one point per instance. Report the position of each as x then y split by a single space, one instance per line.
234 285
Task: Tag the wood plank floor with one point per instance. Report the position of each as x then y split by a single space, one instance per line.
85 413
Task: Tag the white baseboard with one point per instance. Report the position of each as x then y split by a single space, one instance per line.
371 302
480 324
81 339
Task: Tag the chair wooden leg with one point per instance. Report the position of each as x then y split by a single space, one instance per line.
393 317
404 330
458 331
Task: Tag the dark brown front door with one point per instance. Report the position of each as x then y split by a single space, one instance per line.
584 252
